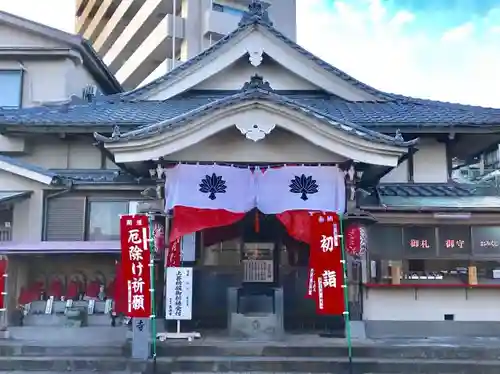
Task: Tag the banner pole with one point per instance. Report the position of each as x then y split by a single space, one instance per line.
347 317
152 285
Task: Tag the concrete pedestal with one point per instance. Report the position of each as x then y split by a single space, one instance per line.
264 322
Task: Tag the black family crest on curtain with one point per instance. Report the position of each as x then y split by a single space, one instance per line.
303 185
212 185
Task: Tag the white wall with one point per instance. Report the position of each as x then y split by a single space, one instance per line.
431 304
235 76
279 146
397 175
48 152
429 165
430 162
28 214
55 153
47 79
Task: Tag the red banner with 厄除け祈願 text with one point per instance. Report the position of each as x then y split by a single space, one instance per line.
135 262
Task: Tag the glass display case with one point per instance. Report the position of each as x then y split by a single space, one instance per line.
446 255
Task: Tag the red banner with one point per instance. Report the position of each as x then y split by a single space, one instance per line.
313 260
352 238
159 236
326 250
173 255
3 281
136 275
355 236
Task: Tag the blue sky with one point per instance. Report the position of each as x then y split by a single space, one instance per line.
439 49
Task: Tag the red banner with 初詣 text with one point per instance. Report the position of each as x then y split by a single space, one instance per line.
136 275
326 253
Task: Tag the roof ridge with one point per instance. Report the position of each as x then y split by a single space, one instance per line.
256 89
439 103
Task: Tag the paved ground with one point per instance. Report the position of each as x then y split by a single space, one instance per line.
115 336
301 340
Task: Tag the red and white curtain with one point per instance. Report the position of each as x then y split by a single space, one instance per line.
294 192
207 196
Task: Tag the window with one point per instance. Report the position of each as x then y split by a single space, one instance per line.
5 225
11 82
417 271
103 222
487 272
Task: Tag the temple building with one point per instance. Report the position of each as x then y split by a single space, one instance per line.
256 100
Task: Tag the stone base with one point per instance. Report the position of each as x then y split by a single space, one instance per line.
63 320
259 327
358 331
431 329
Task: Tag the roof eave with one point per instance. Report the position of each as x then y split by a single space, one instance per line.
98 69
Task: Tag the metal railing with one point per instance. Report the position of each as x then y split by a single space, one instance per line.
5 234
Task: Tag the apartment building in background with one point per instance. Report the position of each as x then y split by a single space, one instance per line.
140 40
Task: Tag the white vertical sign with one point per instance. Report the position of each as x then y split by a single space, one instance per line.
188 247
179 294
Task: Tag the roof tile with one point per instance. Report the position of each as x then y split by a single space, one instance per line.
110 111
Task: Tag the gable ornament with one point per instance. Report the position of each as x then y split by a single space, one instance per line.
257 82
255 132
255 56
256 12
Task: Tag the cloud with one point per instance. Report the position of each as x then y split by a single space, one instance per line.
459 33
447 55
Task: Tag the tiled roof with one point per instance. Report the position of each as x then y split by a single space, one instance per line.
433 196
9 196
112 110
426 190
28 166
460 202
257 90
108 176
68 177
127 110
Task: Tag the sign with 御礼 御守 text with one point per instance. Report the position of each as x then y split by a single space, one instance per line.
419 240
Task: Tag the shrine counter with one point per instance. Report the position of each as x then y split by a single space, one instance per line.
431 302
426 276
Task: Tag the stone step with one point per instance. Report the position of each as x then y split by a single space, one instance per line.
27 350
57 320
363 351
62 372
54 364
322 365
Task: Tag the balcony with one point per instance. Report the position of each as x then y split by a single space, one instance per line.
218 24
